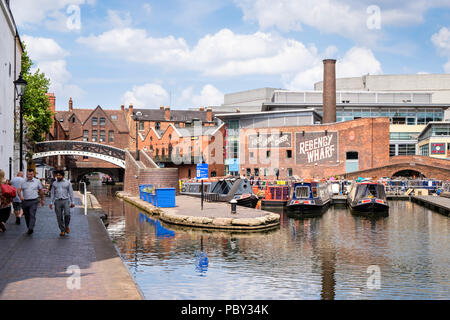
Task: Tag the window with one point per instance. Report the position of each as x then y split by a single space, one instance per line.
111 136
249 172
266 172
94 135
289 154
268 154
85 135
102 136
392 150
141 125
276 172
256 172
157 125
352 155
425 150
102 121
61 120
289 172
113 117
94 121
251 154
406 149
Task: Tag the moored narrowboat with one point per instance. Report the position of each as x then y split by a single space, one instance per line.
368 197
310 197
275 197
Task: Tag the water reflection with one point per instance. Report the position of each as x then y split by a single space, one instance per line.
327 257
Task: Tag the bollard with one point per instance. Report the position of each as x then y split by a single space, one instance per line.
233 206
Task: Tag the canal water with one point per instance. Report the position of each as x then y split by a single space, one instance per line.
336 256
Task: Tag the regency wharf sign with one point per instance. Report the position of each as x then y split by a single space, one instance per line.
274 140
315 147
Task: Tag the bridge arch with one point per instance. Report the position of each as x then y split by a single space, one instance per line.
103 152
409 173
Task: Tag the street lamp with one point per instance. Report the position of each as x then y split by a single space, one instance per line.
21 86
136 119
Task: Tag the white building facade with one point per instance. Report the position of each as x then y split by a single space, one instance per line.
10 65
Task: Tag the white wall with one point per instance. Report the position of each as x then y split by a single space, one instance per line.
7 91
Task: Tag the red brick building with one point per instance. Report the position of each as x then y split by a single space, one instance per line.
179 138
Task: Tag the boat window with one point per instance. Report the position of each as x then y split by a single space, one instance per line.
314 191
302 192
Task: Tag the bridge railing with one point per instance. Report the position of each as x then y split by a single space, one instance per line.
80 146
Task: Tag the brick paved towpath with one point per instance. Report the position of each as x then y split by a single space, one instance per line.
38 266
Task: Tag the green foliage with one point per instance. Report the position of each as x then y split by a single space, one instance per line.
36 105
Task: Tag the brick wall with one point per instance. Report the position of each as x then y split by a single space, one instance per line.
369 137
136 174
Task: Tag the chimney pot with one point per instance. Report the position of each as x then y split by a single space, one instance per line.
161 108
209 117
122 107
70 105
202 109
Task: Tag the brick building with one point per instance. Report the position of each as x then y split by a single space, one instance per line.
99 125
179 138
293 144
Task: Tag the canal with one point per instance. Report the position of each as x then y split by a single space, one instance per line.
336 256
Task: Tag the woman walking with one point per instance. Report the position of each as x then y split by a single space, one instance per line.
5 202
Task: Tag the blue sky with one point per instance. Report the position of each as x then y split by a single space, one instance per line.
189 53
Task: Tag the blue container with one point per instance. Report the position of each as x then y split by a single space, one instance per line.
165 198
153 199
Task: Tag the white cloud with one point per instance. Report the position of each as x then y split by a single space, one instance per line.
51 13
209 96
356 62
119 19
49 57
148 95
151 95
222 54
147 8
441 41
347 18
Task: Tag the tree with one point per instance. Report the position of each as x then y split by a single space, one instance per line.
36 105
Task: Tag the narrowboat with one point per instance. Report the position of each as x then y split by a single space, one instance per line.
310 197
223 190
368 197
275 197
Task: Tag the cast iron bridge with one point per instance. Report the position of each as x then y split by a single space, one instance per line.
80 148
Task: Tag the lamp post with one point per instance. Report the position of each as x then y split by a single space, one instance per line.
21 85
136 119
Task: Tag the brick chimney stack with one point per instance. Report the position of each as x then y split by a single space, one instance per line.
52 100
161 108
209 116
122 107
70 105
130 109
167 113
329 91
202 109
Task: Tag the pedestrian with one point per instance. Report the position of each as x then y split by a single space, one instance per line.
5 203
29 192
16 182
61 196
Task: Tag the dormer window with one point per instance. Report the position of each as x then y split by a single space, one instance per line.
113 117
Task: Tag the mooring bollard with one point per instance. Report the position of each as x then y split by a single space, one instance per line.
233 206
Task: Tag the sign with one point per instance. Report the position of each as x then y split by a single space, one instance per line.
316 147
202 171
233 165
274 140
438 148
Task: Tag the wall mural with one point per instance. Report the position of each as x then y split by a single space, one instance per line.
316 147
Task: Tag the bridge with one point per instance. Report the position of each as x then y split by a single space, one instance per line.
425 166
103 152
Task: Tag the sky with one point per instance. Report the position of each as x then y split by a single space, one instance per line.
187 54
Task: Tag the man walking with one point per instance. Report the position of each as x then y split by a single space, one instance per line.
16 182
29 192
61 195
